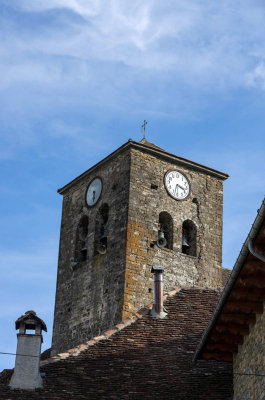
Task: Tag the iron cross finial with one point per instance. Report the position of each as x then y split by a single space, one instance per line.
143 128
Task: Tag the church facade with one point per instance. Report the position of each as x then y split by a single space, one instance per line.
138 207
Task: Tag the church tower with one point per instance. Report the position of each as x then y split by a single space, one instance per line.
138 207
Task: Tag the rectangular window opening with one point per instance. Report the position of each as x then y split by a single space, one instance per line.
153 186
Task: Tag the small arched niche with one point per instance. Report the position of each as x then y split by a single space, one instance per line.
101 230
166 227
81 240
189 238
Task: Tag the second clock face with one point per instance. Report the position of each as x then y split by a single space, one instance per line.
93 192
177 185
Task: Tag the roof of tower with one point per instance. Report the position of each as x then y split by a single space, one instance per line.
141 357
150 144
148 147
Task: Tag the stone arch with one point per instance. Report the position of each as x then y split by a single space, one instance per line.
81 239
189 238
166 226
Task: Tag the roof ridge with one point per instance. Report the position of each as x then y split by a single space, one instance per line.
106 335
151 144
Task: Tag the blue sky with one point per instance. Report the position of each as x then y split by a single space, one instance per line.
78 77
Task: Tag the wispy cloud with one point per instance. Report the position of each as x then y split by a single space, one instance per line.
61 55
256 77
195 41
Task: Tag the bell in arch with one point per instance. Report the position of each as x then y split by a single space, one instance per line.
102 248
161 241
185 243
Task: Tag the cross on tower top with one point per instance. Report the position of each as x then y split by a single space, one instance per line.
143 128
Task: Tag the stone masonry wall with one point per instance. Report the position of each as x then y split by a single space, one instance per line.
250 359
89 298
204 207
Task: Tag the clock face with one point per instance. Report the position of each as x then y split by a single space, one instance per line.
177 185
93 192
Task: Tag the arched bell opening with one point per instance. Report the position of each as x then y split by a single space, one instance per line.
189 238
165 232
81 240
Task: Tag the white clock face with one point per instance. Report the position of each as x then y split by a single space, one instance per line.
177 185
93 192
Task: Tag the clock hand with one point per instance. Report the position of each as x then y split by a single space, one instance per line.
177 189
181 187
94 193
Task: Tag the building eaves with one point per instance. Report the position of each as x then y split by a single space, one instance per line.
240 262
152 149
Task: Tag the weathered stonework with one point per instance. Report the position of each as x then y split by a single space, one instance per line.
250 359
101 291
89 297
204 207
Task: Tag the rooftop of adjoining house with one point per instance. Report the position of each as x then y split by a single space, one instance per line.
141 357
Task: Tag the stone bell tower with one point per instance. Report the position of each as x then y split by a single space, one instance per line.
138 207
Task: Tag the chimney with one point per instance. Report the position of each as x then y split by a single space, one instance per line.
157 310
26 374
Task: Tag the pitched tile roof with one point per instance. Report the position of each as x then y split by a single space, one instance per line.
144 357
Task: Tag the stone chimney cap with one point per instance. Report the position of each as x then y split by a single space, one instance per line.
157 268
30 318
